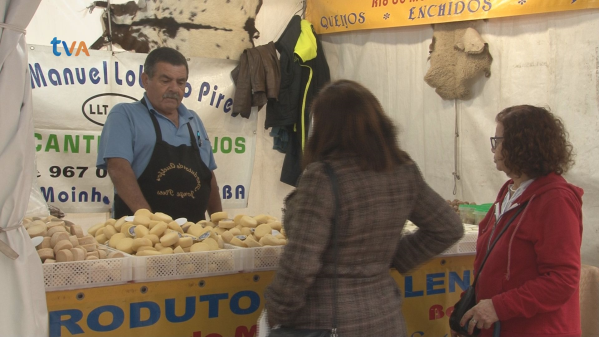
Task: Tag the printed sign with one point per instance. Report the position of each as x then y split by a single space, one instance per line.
72 96
332 16
229 306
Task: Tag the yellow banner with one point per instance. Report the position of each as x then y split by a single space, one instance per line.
333 16
229 306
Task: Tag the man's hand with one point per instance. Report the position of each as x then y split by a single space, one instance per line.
125 183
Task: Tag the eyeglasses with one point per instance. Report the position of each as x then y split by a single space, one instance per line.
494 142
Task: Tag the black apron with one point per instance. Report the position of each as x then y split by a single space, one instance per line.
176 180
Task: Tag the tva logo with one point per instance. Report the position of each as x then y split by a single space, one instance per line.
81 48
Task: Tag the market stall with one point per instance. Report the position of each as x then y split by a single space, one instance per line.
203 291
535 60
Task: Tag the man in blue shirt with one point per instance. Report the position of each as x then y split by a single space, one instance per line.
157 152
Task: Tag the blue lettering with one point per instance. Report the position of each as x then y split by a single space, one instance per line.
135 309
49 196
93 75
362 18
54 73
116 73
487 6
411 16
204 89
323 22
213 302
141 70
349 18
95 194
66 73
105 66
220 97
56 322
421 14
171 315
477 8
80 79
455 278
228 105
213 95
240 192
431 283
54 43
36 75
83 196
442 10
254 302
66 48
409 285
130 77
187 90
63 196
93 319
459 11
227 192
429 11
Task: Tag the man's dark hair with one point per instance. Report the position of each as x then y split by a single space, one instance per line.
164 54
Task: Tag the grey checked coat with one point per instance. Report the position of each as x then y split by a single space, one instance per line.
374 208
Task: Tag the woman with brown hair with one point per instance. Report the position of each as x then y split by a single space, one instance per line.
531 278
379 188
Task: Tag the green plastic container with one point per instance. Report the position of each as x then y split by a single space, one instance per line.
480 211
467 213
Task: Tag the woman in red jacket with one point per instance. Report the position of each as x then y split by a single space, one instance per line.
530 282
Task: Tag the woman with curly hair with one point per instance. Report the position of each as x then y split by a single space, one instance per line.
530 281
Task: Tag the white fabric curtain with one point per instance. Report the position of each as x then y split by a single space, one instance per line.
23 311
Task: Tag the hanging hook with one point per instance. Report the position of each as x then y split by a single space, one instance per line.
302 10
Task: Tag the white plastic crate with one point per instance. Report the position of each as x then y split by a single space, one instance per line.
466 245
187 265
87 274
259 258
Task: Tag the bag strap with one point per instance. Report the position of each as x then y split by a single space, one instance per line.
331 173
523 206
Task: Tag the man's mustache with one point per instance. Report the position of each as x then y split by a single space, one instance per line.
171 95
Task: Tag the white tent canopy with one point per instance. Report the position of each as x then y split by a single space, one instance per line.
546 59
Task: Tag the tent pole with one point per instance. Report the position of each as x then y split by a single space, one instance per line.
456 173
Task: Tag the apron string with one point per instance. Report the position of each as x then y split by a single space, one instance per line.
4 247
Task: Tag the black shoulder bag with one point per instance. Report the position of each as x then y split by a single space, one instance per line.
468 300
292 332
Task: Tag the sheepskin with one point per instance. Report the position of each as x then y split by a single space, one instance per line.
199 28
458 57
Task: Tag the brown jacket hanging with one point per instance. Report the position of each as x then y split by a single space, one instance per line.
257 78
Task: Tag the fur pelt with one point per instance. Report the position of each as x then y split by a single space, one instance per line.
458 56
208 28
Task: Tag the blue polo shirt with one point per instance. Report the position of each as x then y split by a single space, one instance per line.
129 134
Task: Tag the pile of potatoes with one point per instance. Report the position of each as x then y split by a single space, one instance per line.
64 241
455 204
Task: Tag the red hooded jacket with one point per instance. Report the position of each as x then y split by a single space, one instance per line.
533 273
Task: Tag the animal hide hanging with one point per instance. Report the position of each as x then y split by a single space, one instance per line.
458 56
208 28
